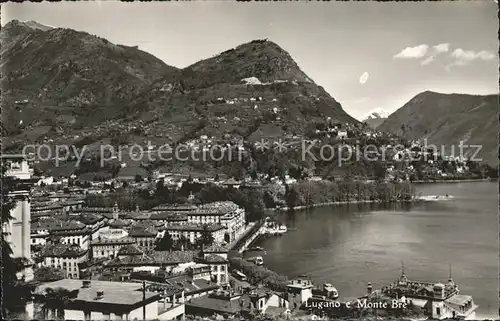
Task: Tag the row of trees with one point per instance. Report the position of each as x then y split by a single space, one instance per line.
259 274
255 201
251 200
307 193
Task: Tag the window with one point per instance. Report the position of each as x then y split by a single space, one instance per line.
438 311
86 315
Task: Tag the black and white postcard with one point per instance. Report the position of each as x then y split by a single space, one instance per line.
250 160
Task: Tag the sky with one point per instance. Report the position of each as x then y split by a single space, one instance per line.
367 55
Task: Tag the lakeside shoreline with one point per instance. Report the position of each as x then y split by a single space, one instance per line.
337 203
468 180
413 200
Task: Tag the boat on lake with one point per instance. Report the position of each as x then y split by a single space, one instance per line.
255 248
257 260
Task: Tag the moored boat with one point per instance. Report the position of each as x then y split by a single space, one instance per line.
257 260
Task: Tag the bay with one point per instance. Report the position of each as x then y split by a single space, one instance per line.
352 245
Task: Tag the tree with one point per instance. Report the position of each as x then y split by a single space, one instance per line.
165 243
206 238
269 200
380 171
48 274
183 243
291 197
57 300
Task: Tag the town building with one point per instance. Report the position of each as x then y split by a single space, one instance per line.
299 291
64 256
104 300
342 134
193 232
45 210
192 278
73 232
216 257
17 231
169 218
441 301
151 262
235 302
109 247
94 222
144 235
228 214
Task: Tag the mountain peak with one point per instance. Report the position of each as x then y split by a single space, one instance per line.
36 25
33 25
447 119
260 59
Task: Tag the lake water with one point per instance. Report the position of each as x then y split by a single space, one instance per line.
350 246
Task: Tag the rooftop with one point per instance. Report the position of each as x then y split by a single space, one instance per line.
221 305
175 207
142 231
155 258
215 248
190 285
130 249
97 209
119 223
122 240
13 156
459 299
120 293
193 227
213 258
62 250
87 218
169 216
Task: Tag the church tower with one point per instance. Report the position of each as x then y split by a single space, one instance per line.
403 280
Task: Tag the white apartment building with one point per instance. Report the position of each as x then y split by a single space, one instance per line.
65 257
192 232
228 214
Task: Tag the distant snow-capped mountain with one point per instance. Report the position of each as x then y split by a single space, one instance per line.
376 114
376 117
